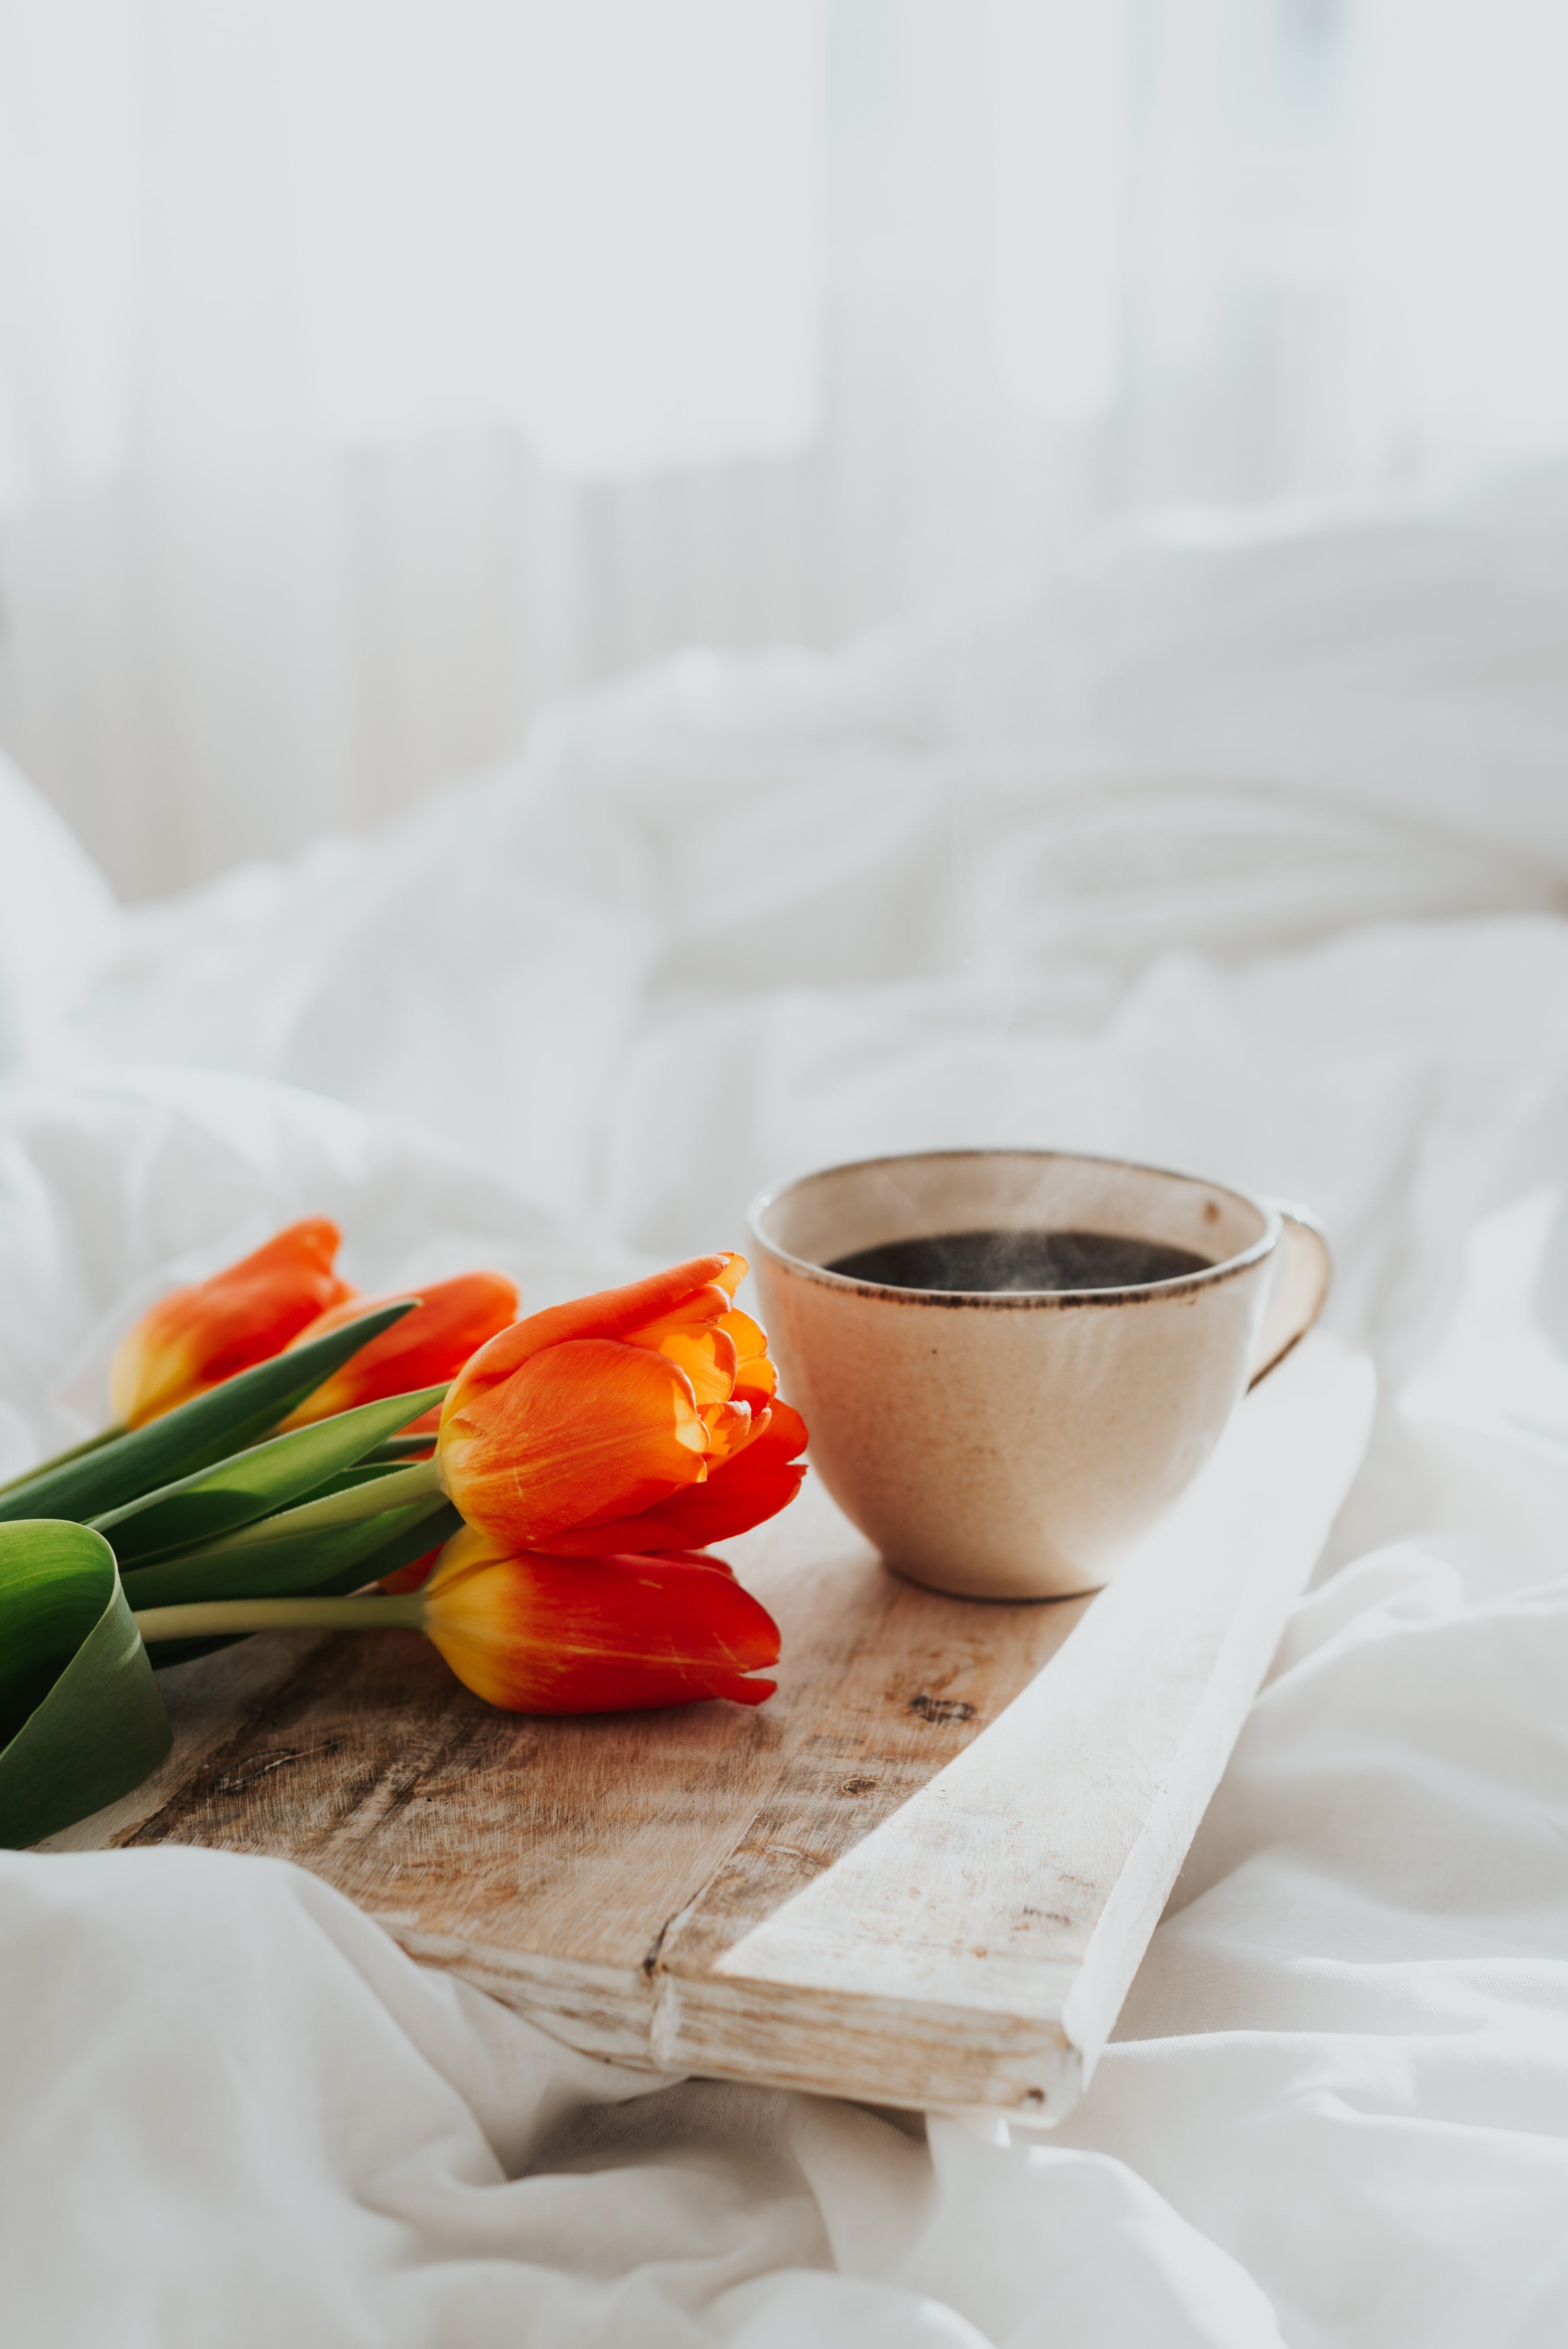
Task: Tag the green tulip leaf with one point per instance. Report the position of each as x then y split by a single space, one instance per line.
79 1708
196 1433
326 1565
216 1500
349 1480
400 1548
300 1562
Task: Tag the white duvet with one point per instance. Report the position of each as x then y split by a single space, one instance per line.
1243 856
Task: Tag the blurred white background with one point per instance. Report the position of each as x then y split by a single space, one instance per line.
371 369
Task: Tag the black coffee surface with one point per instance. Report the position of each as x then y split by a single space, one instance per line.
988 1262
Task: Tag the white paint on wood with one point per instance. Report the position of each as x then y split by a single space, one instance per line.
1028 1877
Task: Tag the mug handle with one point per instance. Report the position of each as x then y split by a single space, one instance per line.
1301 1284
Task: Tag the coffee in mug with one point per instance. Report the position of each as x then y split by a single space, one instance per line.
1013 1363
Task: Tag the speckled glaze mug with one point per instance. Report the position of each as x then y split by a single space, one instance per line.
1014 1444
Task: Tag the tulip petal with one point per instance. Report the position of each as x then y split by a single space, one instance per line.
707 1356
586 1430
730 1428
551 1635
749 1336
700 1557
452 1319
612 1313
738 1494
196 1338
700 1308
755 1377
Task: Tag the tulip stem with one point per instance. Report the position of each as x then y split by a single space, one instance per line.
346 1509
58 1459
204 1618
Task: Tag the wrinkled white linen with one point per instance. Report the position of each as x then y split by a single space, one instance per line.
732 917
706 897
60 923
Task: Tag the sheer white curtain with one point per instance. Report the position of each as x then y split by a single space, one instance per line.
370 369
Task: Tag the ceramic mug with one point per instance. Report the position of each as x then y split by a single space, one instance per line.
1014 1444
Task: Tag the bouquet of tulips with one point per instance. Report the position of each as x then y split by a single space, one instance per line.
535 1496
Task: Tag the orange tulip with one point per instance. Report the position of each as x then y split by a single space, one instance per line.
537 1634
636 1420
534 1634
739 1493
451 1321
196 1338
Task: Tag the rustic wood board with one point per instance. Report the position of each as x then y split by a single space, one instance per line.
925 1874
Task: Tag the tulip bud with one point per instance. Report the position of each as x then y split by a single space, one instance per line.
536 1634
452 1319
636 1420
196 1337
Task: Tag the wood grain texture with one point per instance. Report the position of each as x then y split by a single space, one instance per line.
925 1874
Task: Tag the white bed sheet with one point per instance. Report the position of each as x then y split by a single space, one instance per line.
735 917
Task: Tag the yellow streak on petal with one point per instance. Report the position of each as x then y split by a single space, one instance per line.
707 1358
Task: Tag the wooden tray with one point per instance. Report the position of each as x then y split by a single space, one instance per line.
925 1874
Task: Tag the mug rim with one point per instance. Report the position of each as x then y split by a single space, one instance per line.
1012 1299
